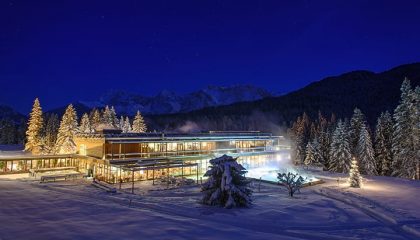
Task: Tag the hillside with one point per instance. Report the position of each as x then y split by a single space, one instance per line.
369 91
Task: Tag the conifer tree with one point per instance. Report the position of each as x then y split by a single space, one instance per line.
108 117
50 133
365 152
309 158
85 126
357 121
121 123
35 125
138 124
68 128
340 155
355 180
226 185
127 125
405 161
95 118
383 144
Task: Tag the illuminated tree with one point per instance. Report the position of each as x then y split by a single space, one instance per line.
68 128
35 125
95 118
355 180
50 131
138 124
85 126
126 125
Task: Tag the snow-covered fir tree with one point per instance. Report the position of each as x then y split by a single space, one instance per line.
309 158
95 118
324 139
365 152
109 117
405 134
416 130
139 126
292 181
126 125
35 125
50 133
355 180
383 144
357 121
226 185
340 155
85 126
68 128
121 123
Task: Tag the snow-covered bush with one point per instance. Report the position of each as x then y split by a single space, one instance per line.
292 181
226 185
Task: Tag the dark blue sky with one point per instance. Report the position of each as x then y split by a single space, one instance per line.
63 51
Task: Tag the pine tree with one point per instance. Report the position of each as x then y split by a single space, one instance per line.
365 152
310 158
50 133
357 121
226 185
416 130
355 180
121 123
340 155
85 126
126 126
383 144
324 138
138 124
115 121
107 117
68 128
95 118
35 124
405 133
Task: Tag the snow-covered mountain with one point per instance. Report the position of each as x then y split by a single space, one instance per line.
169 102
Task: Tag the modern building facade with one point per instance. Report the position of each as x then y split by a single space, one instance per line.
116 157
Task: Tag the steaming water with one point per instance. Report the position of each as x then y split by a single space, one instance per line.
266 167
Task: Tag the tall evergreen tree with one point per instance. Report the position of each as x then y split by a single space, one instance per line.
340 155
383 144
365 152
357 121
121 123
324 139
68 128
85 126
139 125
127 125
50 132
35 124
355 180
405 162
95 118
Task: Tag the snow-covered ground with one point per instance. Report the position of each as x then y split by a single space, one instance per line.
385 208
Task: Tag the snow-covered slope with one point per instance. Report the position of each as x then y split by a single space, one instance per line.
170 102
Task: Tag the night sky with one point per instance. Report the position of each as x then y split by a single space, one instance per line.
63 51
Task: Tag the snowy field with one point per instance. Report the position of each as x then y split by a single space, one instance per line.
385 208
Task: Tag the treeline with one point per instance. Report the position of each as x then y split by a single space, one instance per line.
46 134
12 131
391 149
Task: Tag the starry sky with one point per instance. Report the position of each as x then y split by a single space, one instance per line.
64 51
